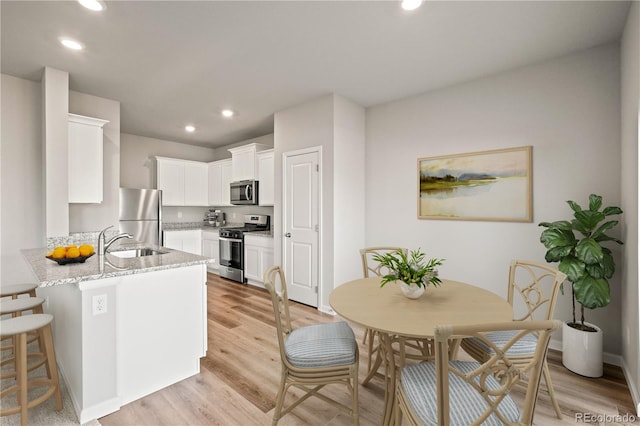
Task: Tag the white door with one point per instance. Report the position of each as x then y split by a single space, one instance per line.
301 225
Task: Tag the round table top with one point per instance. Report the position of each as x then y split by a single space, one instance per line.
386 309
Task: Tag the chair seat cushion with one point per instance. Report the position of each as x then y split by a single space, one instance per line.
465 403
525 346
321 345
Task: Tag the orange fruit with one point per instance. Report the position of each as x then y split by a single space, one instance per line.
50 253
70 246
86 250
59 253
73 252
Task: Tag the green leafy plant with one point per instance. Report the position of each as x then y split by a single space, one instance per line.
578 246
409 268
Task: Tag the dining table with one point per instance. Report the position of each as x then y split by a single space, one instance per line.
392 315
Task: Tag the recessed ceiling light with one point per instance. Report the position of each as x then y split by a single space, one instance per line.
71 44
93 5
189 128
411 4
227 113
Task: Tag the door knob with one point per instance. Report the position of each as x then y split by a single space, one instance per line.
288 235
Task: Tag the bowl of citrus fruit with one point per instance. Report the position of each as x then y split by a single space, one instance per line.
71 254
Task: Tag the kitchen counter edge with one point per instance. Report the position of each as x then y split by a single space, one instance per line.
49 273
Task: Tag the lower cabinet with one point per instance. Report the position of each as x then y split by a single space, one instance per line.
211 248
258 257
187 240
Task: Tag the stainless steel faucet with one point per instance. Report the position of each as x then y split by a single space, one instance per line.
103 245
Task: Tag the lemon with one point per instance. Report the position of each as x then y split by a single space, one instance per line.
86 250
50 253
73 252
70 246
59 253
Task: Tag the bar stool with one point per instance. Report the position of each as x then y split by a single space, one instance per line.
15 308
17 328
14 291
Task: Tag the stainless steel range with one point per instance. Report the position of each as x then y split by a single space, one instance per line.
232 246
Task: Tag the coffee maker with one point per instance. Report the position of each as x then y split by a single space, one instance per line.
214 218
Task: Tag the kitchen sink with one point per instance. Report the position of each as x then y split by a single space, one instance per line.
136 252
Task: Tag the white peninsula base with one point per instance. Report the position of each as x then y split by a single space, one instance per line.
121 338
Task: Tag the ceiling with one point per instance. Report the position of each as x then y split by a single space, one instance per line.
172 63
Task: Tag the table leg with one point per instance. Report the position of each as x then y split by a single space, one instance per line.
390 379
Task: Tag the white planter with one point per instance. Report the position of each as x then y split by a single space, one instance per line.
582 350
411 291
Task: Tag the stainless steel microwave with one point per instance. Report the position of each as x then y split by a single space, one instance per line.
244 192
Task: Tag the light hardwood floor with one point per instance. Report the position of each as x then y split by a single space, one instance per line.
239 378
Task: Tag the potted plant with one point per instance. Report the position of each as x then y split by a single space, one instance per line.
411 269
579 247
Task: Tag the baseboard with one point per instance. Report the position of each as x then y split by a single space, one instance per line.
633 386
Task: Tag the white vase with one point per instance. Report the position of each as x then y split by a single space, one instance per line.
412 291
582 350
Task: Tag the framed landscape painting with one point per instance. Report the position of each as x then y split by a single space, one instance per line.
489 185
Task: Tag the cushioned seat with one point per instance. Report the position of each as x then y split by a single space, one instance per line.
321 345
532 291
524 346
419 386
456 393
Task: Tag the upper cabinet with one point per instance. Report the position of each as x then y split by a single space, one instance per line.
85 159
266 177
183 182
219 180
244 164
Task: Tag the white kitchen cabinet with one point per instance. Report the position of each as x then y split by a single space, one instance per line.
219 180
85 156
265 177
183 182
244 164
184 240
211 248
258 257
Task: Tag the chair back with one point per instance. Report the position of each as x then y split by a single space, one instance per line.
274 278
369 266
496 377
533 290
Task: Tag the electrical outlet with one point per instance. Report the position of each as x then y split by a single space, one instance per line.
100 304
179 215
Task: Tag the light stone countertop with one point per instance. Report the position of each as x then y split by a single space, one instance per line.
49 273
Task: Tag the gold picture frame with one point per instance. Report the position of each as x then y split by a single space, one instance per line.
491 185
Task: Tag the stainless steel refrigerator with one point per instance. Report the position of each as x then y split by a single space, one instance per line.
141 214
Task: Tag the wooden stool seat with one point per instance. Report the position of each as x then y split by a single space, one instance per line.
14 290
18 328
21 304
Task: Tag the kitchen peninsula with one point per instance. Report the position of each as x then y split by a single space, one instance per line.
124 327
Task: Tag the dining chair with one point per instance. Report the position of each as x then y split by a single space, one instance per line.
450 392
533 292
312 356
423 348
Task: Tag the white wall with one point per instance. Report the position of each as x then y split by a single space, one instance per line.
55 117
348 195
568 109
94 217
137 169
630 64
335 124
22 181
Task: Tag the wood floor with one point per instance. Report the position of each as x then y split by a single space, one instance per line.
239 377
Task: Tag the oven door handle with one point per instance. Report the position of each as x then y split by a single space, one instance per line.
233 240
